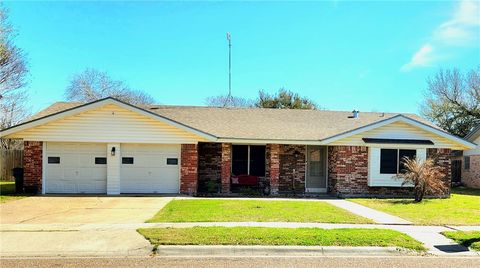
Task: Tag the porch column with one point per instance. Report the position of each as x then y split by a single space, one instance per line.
189 169
274 167
226 167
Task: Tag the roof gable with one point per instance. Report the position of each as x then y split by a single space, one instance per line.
402 128
80 110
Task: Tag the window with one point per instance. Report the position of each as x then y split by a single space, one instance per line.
100 160
248 160
391 160
257 160
54 160
410 154
127 160
467 162
388 161
172 161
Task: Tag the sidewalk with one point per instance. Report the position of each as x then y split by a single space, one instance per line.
429 235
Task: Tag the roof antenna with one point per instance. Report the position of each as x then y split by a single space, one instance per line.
229 97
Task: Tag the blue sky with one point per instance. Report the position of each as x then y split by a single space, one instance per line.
371 56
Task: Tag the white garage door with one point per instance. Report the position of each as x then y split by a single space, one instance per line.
150 168
76 168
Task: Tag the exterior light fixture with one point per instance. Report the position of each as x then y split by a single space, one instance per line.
112 152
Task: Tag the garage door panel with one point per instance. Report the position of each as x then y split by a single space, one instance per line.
150 173
77 171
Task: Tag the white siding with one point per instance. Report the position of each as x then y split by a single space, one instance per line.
387 180
113 168
398 130
109 123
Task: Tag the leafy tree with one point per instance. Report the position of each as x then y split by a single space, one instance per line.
13 77
453 100
91 85
226 101
424 175
284 99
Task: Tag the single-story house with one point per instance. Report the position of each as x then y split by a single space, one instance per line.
108 146
471 161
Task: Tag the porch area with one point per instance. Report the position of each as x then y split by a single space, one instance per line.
270 169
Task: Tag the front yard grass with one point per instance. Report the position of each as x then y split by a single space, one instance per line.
279 237
462 208
203 210
7 192
470 239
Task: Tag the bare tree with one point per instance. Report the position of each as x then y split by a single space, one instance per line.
225 101
92 84
13 77
453 100
13 67
424 175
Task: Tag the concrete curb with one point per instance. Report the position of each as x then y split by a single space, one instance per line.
251 251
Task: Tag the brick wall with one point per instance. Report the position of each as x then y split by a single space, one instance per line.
209 164
189 169
226 161
348 172
471 177
32 166
292 168
273 166
442 157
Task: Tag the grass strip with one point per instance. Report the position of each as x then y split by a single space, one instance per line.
469 239
214 210
352 237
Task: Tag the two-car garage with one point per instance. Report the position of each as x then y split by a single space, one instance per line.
82 168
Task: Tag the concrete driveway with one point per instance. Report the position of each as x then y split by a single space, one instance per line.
29 226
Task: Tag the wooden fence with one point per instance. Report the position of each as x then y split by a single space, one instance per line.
9 159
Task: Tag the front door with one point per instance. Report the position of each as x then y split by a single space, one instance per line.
316 181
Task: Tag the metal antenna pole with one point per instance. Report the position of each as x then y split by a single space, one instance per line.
229 96
229 65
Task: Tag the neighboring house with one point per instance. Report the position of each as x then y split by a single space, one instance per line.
471 161
111 147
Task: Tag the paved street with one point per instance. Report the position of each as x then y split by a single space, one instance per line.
198 262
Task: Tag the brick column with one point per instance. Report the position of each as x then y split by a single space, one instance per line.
32 166
442 157
226 167
274 166
189 169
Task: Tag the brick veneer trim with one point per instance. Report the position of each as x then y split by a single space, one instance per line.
226 167
273 166
189 169
32 165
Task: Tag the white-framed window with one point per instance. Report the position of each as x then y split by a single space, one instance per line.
391 160
384 163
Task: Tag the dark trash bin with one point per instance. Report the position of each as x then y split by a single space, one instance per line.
18 174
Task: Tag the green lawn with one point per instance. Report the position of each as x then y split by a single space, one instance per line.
279 236
204 210
7 191
469 239
462 208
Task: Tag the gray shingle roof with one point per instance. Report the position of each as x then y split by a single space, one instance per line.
257 123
